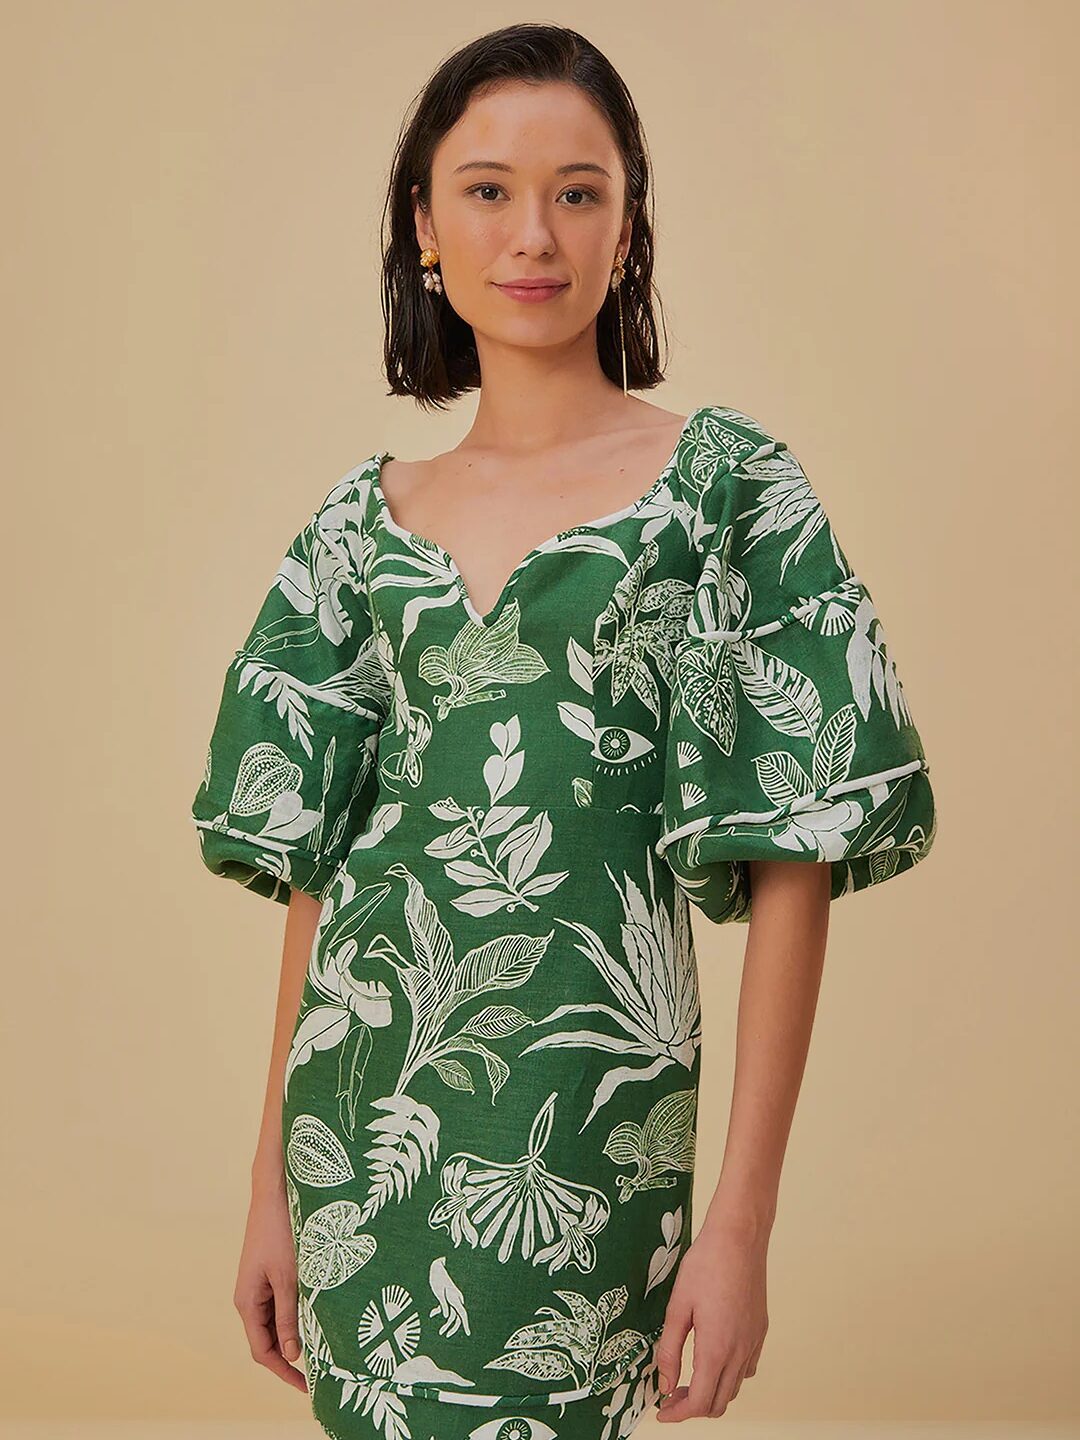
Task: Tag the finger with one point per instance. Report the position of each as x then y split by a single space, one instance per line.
752 1363
703 1382
747 1370
257 1316
291 1375
286 1321
695 1398
738 1382
666 1408
669 1349
727 1387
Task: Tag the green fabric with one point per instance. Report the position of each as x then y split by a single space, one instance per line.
490 1108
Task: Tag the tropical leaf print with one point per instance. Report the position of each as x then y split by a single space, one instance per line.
579 1345
310 579
634 1393
642 622
437 985
353 1006
292 1200
421 566
871 668
613 747
666 505
662 1260
707 693
664 1144
654 987
318 1357
503 847
785 501
786 698
407 1143
480 661
580 664
405 765
502 770
502 818
331 1247
380 1405
315 1155
485 1201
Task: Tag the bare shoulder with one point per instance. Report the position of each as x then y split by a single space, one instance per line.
641 432
654 417
403 478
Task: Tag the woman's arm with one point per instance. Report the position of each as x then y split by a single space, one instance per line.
266 1289
268 1168
720 1286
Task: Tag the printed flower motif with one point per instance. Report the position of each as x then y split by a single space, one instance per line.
516 1204
664 1144
480 661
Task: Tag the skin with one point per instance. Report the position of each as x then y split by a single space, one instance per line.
554 444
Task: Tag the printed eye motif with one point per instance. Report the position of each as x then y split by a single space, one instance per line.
514 1428
617 746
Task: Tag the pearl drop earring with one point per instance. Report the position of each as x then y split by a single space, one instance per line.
432 279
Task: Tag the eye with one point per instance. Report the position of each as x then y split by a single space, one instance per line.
484 185
591 195
514 1428
616 746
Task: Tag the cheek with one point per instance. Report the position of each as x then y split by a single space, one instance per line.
475 241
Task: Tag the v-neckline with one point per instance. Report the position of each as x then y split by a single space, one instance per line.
490 616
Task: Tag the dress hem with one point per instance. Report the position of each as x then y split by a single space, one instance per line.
420 1391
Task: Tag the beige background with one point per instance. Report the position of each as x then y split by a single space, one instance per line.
866 234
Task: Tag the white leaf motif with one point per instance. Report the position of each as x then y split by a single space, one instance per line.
579 663
578 720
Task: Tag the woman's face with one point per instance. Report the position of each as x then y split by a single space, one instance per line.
528 184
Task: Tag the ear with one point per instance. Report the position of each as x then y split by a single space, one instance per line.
425 235
625 233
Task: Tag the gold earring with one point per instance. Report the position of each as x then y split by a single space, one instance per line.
432 279
617 276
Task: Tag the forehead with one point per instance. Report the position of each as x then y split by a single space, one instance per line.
531 127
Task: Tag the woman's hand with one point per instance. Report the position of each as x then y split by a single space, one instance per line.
719 1291
266 1293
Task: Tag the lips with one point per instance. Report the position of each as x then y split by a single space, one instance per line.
540 282
532 291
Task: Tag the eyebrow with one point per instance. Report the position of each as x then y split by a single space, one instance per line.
579 165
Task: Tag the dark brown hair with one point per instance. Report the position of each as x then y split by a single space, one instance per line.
429 351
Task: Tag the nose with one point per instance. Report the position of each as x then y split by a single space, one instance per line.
531 232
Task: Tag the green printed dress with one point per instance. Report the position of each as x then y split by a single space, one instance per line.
490 1103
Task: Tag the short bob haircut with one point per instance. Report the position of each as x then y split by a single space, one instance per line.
429 351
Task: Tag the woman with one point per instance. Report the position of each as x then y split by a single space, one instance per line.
488 750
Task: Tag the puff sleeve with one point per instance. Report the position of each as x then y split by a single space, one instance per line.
790 734
290 772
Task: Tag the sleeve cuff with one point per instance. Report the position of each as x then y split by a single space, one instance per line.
270 868
867 828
